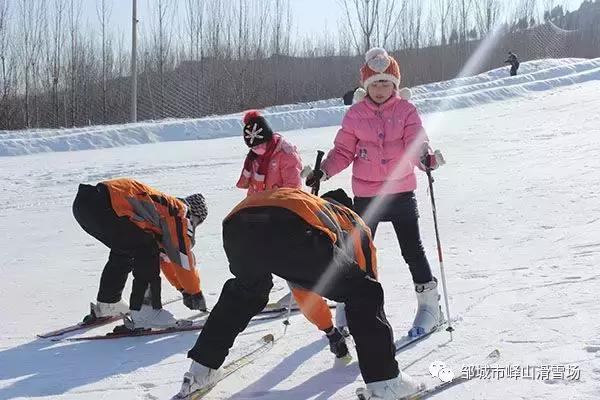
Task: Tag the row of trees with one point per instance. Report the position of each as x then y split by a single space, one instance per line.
200 57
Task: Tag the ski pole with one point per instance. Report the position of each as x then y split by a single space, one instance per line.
439 250
286 322
315 190
316 186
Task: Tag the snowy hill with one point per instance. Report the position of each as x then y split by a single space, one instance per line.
519 211
491 86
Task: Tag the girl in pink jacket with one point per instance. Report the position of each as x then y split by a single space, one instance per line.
274 163
382 136
271 162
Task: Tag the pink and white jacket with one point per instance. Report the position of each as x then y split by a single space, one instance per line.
283 170
384 141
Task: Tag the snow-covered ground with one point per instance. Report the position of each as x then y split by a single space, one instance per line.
519 211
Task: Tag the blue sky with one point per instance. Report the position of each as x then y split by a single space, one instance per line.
310 16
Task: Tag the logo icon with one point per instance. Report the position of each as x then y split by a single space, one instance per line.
440 370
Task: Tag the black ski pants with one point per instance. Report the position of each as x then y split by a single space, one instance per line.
131 248
263 241
401 210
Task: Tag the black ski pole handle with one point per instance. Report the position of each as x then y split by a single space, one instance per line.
317 185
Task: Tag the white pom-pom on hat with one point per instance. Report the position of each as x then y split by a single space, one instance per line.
378 59
374 52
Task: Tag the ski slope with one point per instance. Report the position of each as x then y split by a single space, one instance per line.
495 85
519 212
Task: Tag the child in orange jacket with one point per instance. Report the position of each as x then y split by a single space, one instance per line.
146 231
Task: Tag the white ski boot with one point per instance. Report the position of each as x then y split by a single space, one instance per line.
117 309
284 302
391 389
149 318
198 377
340 319
429 313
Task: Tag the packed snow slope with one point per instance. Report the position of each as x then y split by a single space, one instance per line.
537 75
519 212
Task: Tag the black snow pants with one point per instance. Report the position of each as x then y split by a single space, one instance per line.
401 210
271 240
131 248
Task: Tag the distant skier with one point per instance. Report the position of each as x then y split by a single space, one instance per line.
514 63
316 243
146 231
274 163
349 97
383 136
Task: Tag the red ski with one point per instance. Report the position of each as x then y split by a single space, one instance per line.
121 331
90 321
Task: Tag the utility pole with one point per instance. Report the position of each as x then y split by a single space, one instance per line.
134 22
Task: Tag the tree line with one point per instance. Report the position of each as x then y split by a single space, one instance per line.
204 57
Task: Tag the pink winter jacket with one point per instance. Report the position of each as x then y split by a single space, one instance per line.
284 171
376 138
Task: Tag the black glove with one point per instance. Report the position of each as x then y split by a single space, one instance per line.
425 158
194 301
314 177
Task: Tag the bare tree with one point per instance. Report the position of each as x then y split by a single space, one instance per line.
31 24
375 22
281 31
525 10
548 6
464 7
4 45
345 46
276 38
8 68
365 13
414 15
74 13
260 22
431 26
214 27
55 54
162 21
195 28
487 13
444 7
388 17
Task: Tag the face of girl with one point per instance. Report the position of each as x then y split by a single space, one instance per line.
380 91
260 149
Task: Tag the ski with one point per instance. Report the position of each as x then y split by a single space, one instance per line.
284 302
96 322
185 325
90 321
260 347
80 326
429 391
276 308
121 331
